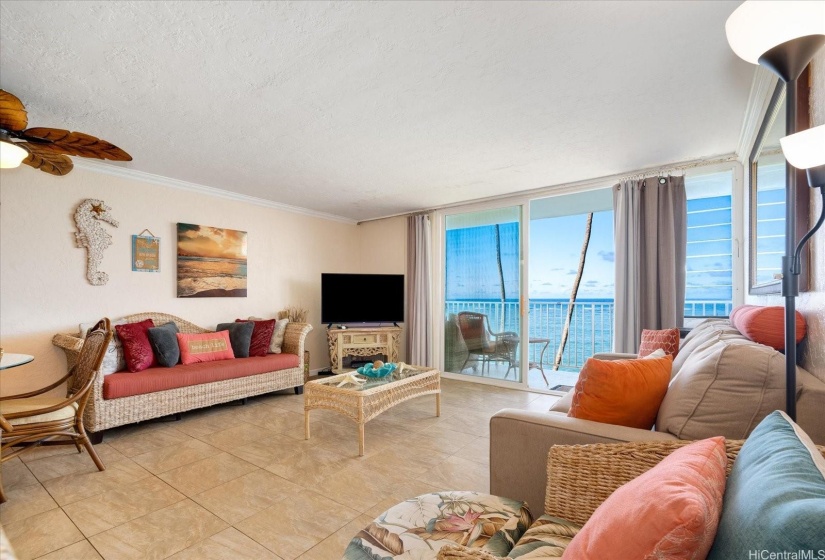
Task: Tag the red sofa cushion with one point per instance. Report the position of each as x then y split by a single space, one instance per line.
128 384
261 336
137 350
204 347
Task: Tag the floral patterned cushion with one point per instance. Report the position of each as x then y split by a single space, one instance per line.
546 538
417 528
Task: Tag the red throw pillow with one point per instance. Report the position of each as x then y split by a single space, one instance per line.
670 511
621 392
137 350
261 336
205 347
766 325
666 339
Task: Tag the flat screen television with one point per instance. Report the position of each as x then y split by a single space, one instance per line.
362 298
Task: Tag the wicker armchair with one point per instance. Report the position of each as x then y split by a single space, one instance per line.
29 420
482 343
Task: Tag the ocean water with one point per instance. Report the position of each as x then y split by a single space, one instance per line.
206 274
591 325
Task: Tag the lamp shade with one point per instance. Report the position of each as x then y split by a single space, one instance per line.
11 155
756 27
805 149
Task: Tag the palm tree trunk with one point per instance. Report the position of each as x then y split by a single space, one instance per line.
503 316
571 305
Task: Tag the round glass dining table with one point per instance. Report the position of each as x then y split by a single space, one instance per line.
8 361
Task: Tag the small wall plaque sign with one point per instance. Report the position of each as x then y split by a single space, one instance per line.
145 252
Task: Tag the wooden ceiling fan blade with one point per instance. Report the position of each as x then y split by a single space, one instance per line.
42 158
13 116
76 144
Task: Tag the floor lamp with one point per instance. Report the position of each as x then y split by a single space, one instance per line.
783 37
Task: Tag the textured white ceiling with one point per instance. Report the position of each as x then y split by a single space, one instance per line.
365 109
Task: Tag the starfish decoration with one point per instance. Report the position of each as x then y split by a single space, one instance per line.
351 378
97 209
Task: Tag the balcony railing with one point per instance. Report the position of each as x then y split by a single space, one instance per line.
591 326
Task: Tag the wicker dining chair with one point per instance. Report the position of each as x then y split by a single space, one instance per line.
482 343
29 420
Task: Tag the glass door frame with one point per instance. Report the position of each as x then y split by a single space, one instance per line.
523 201
439 297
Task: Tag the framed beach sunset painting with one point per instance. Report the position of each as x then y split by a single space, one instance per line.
211 262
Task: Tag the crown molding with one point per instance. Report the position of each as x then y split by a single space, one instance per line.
129 173
762 87
606 181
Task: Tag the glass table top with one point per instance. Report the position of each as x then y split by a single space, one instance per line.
8 361
357 382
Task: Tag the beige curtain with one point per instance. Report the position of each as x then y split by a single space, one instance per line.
419 315
650 223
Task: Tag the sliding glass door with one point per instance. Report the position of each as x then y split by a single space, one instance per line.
482 291
571 286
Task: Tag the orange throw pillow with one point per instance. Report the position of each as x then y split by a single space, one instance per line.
671 511
766 325
205 347
666 339
621 392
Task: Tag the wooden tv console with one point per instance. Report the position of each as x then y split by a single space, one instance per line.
362 341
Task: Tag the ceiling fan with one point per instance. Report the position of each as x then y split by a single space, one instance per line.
45 149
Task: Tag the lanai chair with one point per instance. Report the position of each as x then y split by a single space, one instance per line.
482 343
31 419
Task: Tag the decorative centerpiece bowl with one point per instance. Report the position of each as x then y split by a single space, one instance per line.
369 371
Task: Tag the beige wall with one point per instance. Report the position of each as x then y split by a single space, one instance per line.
43 289
812 303
383 250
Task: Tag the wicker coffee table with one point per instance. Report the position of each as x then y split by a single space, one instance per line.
363 402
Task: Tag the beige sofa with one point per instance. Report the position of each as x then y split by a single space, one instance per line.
722 384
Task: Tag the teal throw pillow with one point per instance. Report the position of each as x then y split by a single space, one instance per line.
774 504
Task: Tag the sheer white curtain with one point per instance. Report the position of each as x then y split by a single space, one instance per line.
650 224
419 291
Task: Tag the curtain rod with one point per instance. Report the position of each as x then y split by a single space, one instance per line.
583 185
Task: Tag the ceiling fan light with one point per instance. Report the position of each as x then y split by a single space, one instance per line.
10 155
756 27
805 149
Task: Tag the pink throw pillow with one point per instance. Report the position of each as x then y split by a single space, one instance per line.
766 325
666 339
261 336
137 350
671 511
205 347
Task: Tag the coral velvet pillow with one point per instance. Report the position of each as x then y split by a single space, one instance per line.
137 350
205 347
766 325
621 392
665 339
671 511
261 336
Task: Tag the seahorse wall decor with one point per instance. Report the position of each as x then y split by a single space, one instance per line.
93 237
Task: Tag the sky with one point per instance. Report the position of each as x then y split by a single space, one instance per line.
472 271
204 241
555 249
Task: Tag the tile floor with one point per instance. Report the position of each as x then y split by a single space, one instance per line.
497 370
241 482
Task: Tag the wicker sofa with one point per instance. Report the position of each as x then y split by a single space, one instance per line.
206 385
520 439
